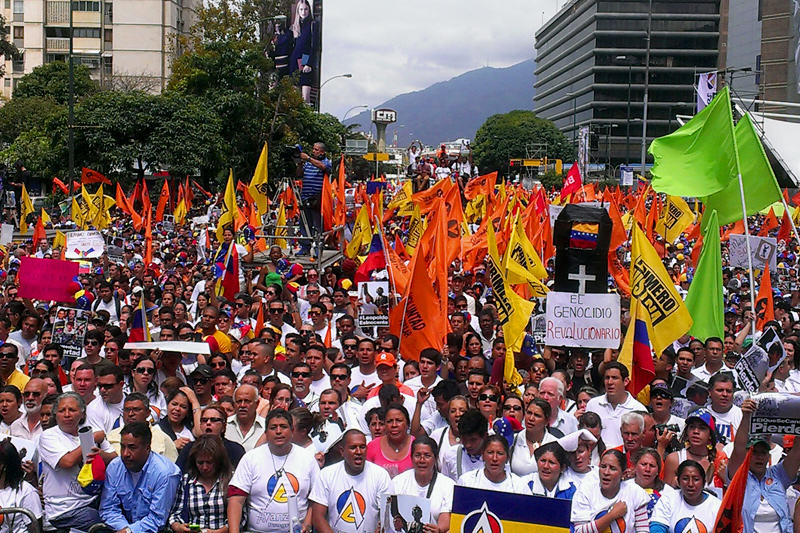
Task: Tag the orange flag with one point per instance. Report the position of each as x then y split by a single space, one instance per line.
400 248
770 223
340 214
480 185
785 231
92 176
290 200
427 199
327 205
125 206
38 232
146 205
736 228
163 198
188 195
455 218
621 275
698 246
618 235
148 240
259 319
729 516
548 249
416 319
764 304
640 211
398 270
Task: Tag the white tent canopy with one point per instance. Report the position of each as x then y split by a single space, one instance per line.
780 138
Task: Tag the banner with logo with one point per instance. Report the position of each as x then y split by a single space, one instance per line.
85 245
763 249
776 414
488 511
764 355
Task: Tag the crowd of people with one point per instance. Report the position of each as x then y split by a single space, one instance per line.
298 419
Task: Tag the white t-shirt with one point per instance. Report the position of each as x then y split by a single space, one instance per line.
672 511
102 415
356 378
354 502
477 480
320 385
442 438
589 504
25 497
60 486
456 463
441 496
579 478
271 480
727 423
523 461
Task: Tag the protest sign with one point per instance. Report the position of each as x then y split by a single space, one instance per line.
539 327
776 414
763 248
583 320
85 245
115 254
27 449
494 512
373 304
764 355
69 329
171 346
46 279
6 234
407 514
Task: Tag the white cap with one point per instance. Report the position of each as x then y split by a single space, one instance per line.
570 442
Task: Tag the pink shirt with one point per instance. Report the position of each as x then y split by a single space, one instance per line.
375 455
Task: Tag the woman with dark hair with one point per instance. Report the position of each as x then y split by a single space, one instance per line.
447 438
700 443
548 480
535 434
596 506
494 475
143 379
178 420
473 346
424 481
489 397
392 450
201 496
690 508
593 424
16 492
52 383
513 407
646 469
282 397
303 424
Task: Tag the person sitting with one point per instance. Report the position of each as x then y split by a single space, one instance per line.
16 492
140 484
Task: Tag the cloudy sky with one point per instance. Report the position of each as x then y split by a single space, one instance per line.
392 47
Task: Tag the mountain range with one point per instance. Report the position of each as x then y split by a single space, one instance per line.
456 108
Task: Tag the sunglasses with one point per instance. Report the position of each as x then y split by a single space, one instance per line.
145 370
91 343
488 398
273 293
349 347
8 355
206 419
241 305
106 386
200 381
301 374
314 313
339 376
276 310
512 408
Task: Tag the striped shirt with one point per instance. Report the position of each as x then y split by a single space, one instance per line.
312 178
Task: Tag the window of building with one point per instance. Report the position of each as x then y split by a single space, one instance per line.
8 4
19 32
87 33
108 10
758 69
85 5
7 82
57 32
108 36
18 64
19 6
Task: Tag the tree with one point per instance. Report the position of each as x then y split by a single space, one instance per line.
504 136
51 80
7 48
24 114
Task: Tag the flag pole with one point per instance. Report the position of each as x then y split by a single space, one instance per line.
791 219
749 253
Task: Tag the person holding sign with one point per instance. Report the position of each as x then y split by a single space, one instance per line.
764 496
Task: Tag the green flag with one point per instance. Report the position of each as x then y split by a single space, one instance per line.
699 158
704 300
760 187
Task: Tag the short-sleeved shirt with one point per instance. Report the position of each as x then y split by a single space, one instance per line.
312 178
354 502
441 497
270 481
25 497
612 415
672 511
477 479
589 504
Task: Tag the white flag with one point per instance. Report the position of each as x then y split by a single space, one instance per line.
706 89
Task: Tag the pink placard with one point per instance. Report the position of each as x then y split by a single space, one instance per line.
46 279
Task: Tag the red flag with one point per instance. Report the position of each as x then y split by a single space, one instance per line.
729 516
92 176
188 195
340 214
230 274
770 223
540 202
76 186
163 198
38 232
796 199
202 190
61 185
785 231
326 206
764 304
572 182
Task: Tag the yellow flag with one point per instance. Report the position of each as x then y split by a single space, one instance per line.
258 185
416 227
362 233
658 302
513 311
229 208
77 213
60 240
281 225
98 212
45 217
25 209
521 263
180 212
675 217
796 215
402 197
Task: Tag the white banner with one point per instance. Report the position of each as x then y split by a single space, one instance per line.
764 251
171 346
583 320
6 234
85 245
776 414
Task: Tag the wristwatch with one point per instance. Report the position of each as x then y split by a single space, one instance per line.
128 530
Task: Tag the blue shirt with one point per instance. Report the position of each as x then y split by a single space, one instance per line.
145 505
772 487
312 178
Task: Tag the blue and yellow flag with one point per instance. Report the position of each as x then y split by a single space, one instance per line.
488 511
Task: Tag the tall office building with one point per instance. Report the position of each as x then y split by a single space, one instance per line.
124 42
590 68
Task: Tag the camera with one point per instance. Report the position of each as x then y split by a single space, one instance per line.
292 153
661 428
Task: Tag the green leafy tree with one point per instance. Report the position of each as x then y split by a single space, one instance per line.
504 136
51 80
7 48
24 114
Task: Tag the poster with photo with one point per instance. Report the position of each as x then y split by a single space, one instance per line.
373 305
69 329
407 514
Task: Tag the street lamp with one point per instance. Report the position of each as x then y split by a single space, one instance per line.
351 109
333 78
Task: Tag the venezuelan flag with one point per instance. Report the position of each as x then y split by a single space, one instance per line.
501 512
584 236
139 330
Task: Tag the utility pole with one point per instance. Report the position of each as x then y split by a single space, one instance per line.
71 103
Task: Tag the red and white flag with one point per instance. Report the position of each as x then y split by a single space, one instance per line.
572 182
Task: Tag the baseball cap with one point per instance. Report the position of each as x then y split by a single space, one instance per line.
758 439
385 358
704 416
203 371
662 390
